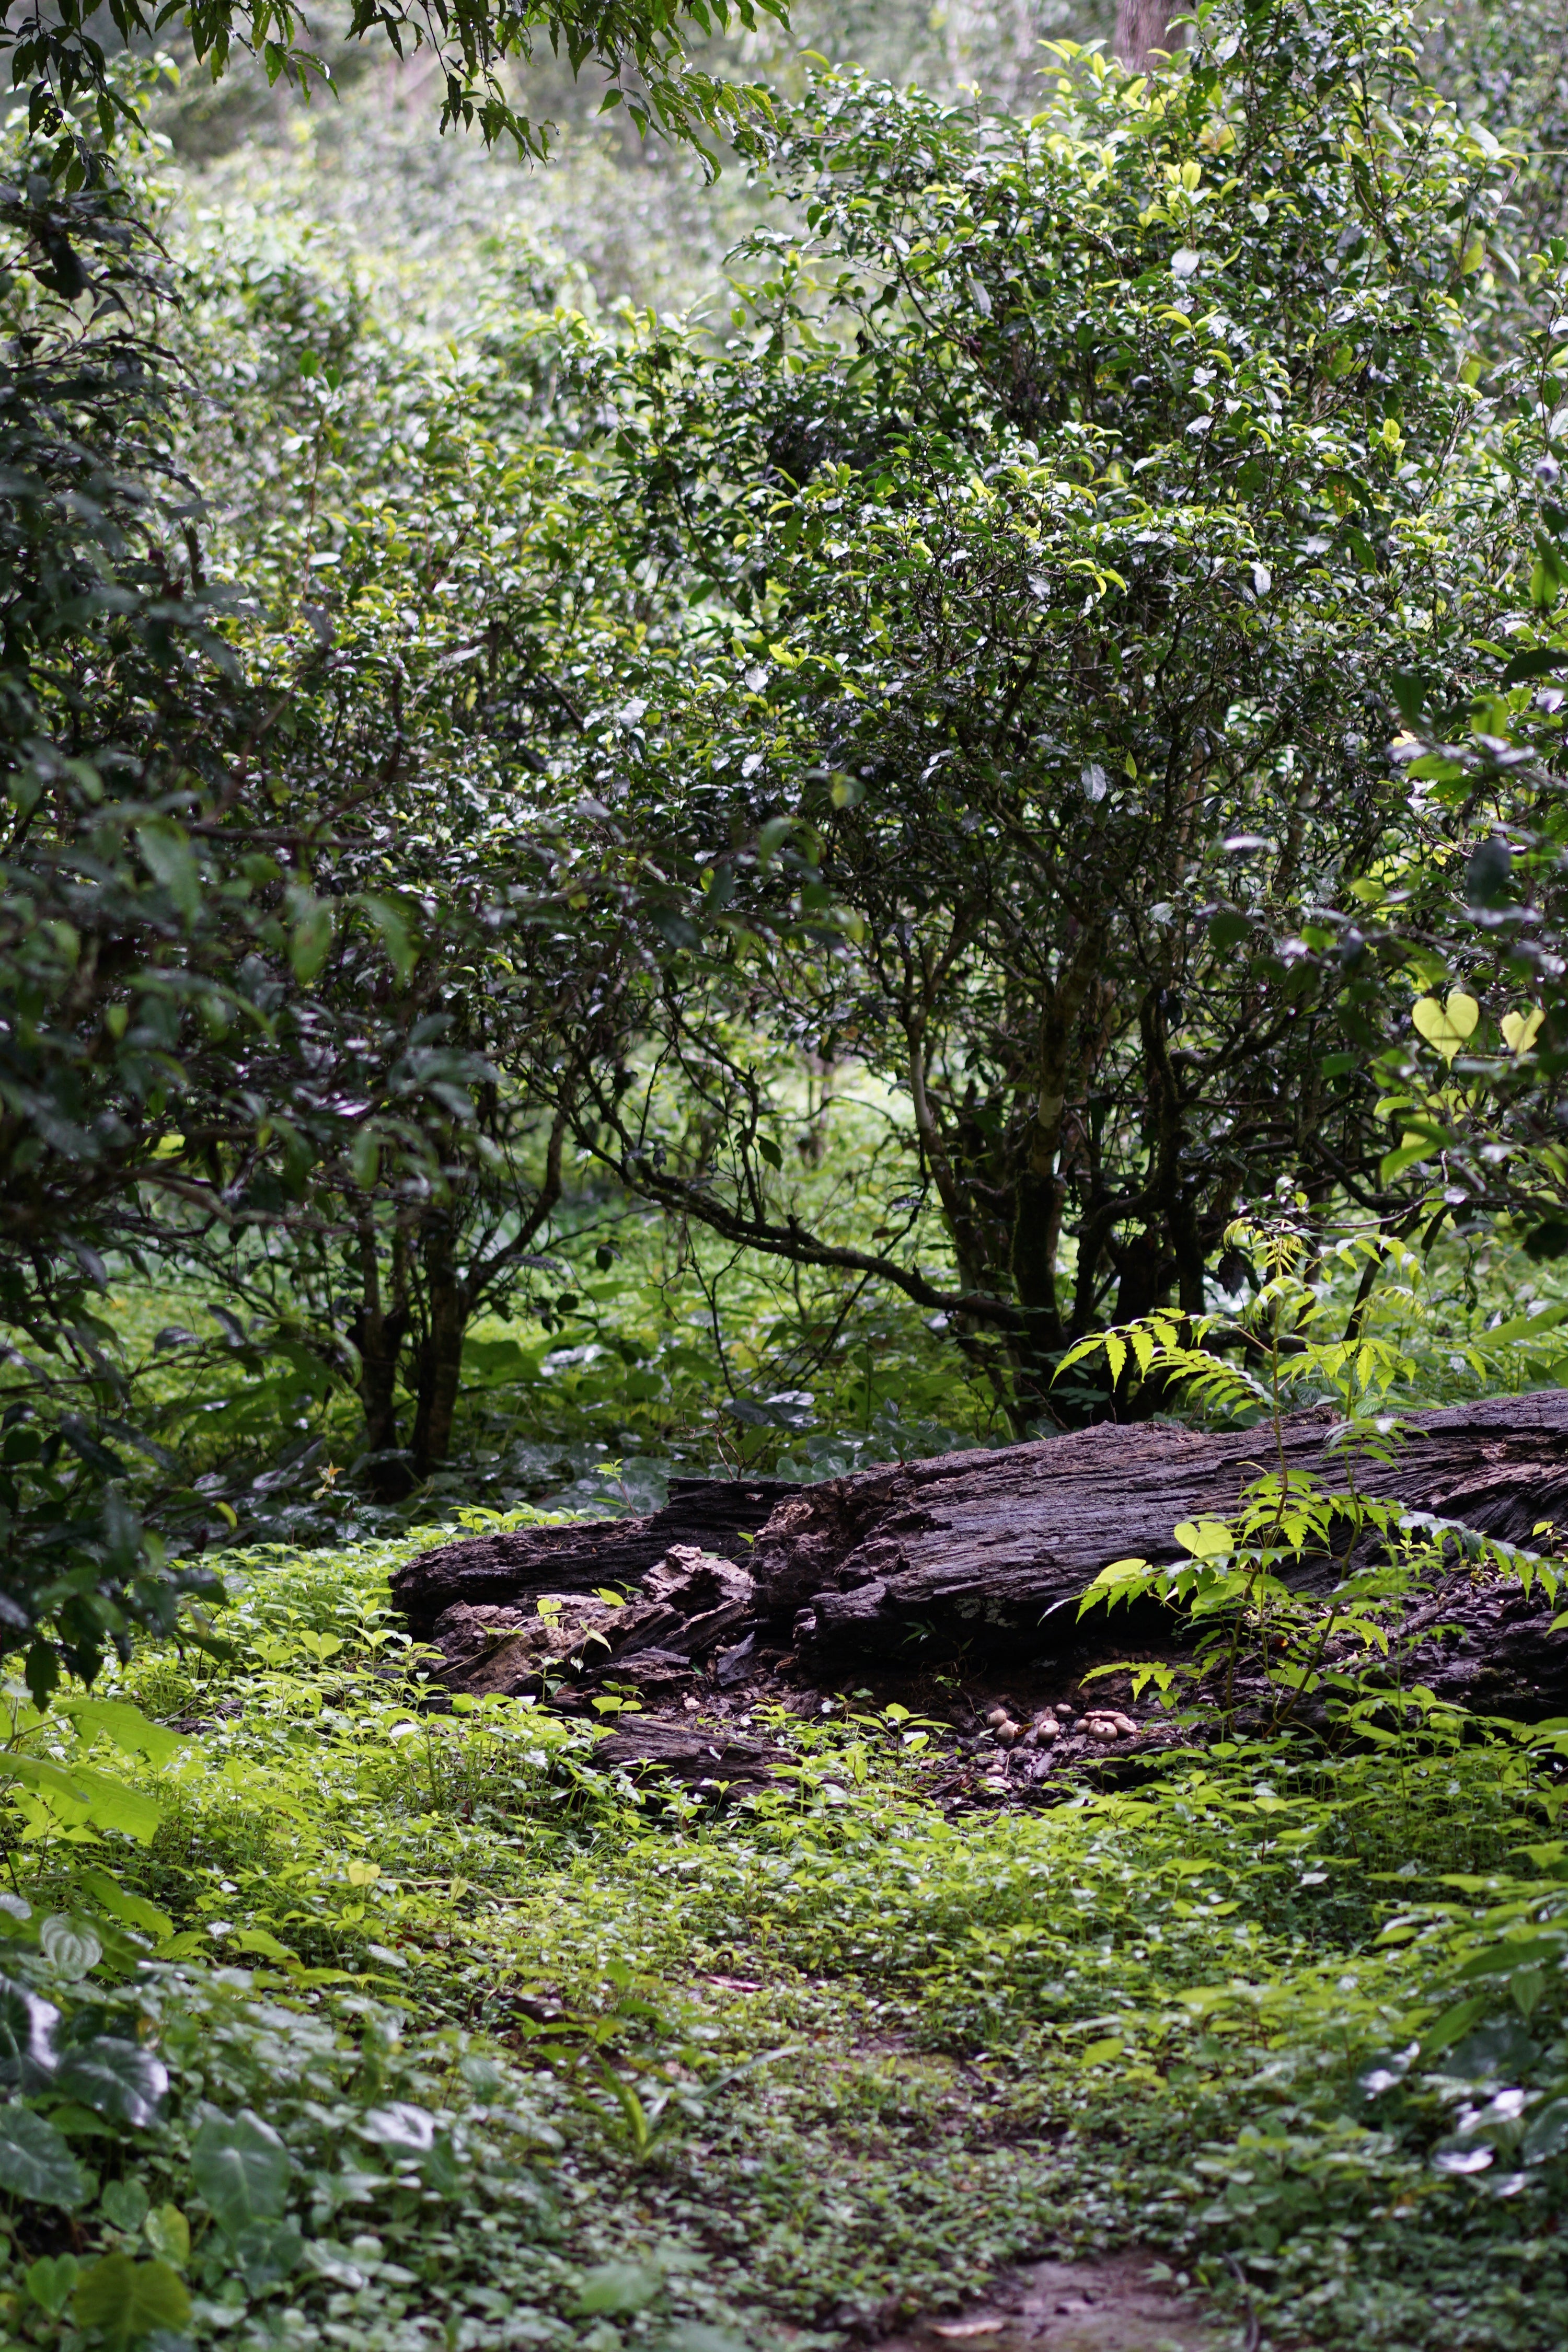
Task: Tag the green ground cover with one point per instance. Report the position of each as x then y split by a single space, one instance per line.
469 2043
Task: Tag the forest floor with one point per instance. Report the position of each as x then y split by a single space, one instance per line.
563 2056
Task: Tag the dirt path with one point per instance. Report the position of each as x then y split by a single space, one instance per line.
1114 2305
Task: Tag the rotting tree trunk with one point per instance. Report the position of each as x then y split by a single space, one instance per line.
996 1550
714 1514
1142 28
987 1554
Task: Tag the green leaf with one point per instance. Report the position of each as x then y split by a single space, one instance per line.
130 1910
133 1733
128 2300
49 2282
616 2287
83 1793
240 2167
115 2078
168 856
1453 2024
673 927
396 937
1229 928
1548 2134
26 2035
264 1944
1535 665
310 942
1205 1539
1524 1326
409 2131
34 2161
267 2253
1409 1155
124 2203
71 1950
169 2234
364 1158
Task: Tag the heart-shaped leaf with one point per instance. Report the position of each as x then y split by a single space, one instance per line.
71 1950
1548 2133
1446 1026
398 2126
34 2161
124 2203
129 2299
1205 1539
169 2234
241 2169
50 2280
267 2253
115 2078
1520 1030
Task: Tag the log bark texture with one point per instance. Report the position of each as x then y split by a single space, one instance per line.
987 1554
991 1545
711 1514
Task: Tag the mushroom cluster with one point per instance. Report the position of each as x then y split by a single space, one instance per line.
1106 1725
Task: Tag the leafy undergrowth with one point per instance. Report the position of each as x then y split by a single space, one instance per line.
330 2019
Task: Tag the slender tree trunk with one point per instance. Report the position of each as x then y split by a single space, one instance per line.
1142 28
1039 1190
379 1333
1174 1155
441 1349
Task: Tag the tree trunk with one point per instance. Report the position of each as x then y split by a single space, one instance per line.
378 1334
1142 28
440 1357
987 1554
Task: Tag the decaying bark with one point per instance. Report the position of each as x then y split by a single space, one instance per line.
993 1545
711 1514
986 1555
682 1609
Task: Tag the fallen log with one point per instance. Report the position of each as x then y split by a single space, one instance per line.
710 1514
687 1604
991 1547
987 1554
705 1757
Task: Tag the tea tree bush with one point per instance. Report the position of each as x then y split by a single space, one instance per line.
1053 525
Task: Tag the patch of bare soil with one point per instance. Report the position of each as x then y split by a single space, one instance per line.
1118 2305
